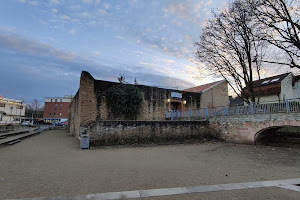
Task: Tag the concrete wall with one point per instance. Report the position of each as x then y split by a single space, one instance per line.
287 88
296 90
124 132
244 128
216 96
269 98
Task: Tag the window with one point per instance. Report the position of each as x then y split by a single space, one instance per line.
55 104
61 104
60 109
59 114
54 114
55 108
50 114
274 80
55 100
265 82
60 100
2 105
51 100
19 107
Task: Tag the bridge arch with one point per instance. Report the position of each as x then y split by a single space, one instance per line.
251 128
278 134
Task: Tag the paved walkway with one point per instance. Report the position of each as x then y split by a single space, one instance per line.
51 165
289 184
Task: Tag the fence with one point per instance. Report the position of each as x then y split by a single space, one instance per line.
291 105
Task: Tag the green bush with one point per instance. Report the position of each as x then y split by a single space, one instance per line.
124 101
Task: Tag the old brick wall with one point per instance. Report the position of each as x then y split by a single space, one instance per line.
244 128
215 97
124 132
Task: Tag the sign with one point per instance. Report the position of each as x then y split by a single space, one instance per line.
176 94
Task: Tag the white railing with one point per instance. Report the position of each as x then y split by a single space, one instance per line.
290 105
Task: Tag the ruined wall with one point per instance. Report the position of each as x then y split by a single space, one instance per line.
90 104
126 132
154 103
216 96
74 118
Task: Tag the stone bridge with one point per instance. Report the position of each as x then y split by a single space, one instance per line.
248 128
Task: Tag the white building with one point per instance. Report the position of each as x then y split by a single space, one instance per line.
278 88
11 111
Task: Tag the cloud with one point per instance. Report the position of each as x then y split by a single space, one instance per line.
17 43
65 17
87 1
72 31
54 10
101 11
39 65
54 1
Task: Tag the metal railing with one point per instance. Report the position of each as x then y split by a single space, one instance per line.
289 105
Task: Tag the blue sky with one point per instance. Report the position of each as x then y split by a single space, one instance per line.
44 45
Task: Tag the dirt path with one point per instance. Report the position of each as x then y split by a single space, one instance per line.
51 164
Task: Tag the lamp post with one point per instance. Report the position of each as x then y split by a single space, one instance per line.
11 108
21 107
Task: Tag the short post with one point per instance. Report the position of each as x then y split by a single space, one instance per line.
226 110
287 105
166 114
177 114
191 113
268 108
206 112
251 107
171 114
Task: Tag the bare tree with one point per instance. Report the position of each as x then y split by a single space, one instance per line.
280 20
35 108
231 46
135 82
121 79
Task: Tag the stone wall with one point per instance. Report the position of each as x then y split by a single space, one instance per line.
245 128
74 117
126 132
90 104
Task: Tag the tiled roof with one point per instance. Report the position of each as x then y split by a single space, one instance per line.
202 87
270 80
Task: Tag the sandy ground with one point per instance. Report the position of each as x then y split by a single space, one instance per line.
51 164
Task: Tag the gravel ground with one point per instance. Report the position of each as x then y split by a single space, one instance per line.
51 164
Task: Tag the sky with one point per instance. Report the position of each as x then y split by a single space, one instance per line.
45 44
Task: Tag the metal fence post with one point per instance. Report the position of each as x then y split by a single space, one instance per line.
171 114
287 105
226 110
251 107
191 113
206 112
177 113
166 114
268 108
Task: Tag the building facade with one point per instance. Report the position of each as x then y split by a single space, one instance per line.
56 108
11 111
277 88
213 94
